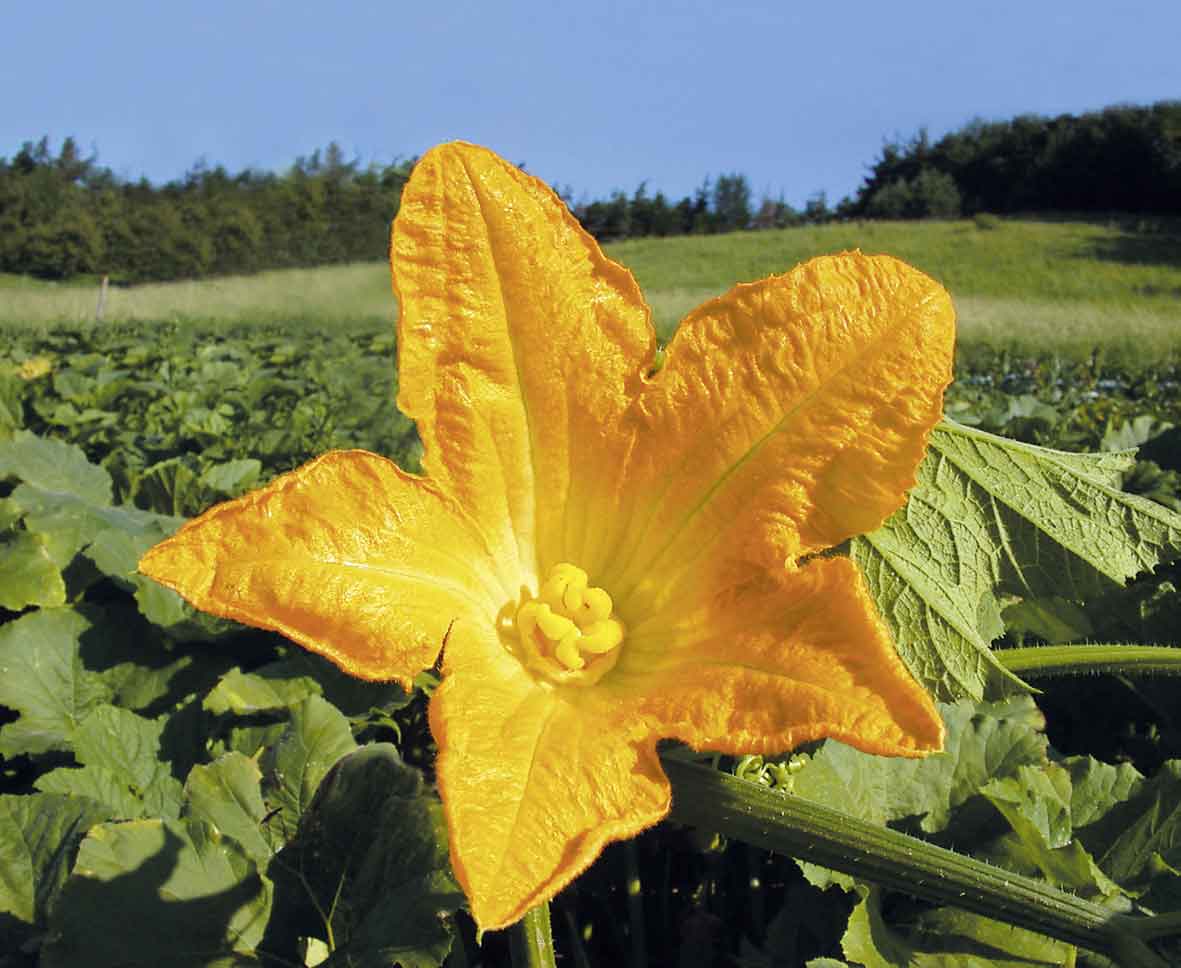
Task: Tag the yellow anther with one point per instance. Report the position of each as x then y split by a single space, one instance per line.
553 627
596 606
567 633
551 591
601 637
573 596
527 619
567 651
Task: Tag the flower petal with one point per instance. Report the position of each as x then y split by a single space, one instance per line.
767 665
792 414
348 556
516 337
535 780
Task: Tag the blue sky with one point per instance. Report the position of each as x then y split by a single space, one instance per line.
597 96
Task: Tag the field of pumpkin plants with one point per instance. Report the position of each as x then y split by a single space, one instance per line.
178 789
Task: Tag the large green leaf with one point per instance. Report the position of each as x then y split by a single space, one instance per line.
268 688
226 793
317 735
121 766
991 516
372 850
52 465
288 681
1096 787
1035 800
65 503
70 522
117 552
231 478
42 677
936 795
984 741
148 893
39 834
28 574
1134 836
945 938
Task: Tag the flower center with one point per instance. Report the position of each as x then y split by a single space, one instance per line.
567 633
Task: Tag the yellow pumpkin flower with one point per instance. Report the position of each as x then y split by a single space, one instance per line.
606 555
34 368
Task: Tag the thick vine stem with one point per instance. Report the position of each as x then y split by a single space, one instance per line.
531 939
1114 659
705 797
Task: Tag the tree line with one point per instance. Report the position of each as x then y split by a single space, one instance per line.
62 214
1121 159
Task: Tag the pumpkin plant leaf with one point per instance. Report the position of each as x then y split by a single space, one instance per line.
119 752
268 688
116 551
371 855
317 735
938 795
194 897
28 573
42 677
983 740
227 794
53 465
1036 803
945 938
39 834
990 517
1140 835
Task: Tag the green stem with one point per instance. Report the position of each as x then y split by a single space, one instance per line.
704 797
531 939
1065 660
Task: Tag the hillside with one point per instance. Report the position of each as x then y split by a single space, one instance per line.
1053 285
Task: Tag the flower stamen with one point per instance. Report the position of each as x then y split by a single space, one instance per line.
567 633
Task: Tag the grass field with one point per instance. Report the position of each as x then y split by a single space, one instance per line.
1056 286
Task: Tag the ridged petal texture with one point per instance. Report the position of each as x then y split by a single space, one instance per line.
791 414
520 345
764 665
348 556
535 780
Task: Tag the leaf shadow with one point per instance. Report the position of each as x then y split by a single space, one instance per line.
133 919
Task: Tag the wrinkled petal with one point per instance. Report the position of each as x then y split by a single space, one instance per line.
348 556
792 414
535 781
767 665
517 337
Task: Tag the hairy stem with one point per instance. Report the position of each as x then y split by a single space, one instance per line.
705 797
1065 660
531 939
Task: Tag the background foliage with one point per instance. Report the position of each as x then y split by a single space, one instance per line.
63 215
227 790
1121 159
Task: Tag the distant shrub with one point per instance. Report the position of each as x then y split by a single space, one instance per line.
930 194
934 194
66 246
890 201
986 221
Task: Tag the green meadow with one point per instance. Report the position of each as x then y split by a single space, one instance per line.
1049 286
